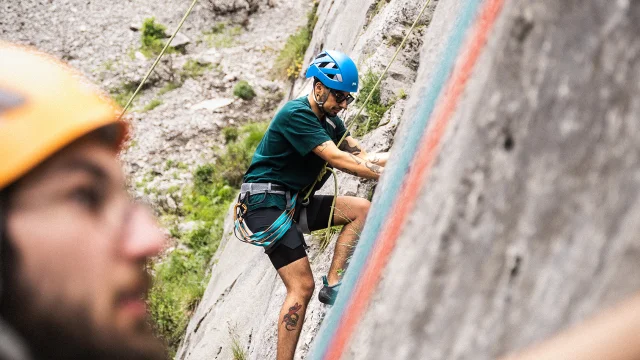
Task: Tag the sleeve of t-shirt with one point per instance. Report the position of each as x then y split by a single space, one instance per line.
304 131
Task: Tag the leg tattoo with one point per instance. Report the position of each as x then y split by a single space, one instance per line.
291 318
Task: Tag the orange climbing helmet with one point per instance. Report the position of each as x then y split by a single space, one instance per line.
44 106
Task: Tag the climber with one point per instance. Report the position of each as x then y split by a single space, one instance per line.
73 246
300 139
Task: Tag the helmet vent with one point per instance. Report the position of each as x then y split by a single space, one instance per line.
327 65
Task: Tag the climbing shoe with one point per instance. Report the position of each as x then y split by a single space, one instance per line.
327 294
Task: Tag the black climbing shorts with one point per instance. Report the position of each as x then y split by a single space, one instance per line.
291 246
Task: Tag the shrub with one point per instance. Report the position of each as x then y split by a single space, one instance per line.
237 158
230 134
375 108
203 177
152 37
243 90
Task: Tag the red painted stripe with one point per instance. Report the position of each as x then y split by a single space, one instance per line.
414 180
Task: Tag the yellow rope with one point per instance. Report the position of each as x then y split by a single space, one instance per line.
166 46
415 22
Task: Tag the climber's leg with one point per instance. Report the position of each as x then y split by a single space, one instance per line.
298 280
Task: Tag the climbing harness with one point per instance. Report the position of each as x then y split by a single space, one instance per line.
280 226
153 66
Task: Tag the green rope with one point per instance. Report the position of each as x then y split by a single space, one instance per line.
375 86
166 46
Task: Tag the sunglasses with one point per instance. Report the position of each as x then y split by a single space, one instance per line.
340 97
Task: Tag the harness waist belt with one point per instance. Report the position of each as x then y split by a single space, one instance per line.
261 188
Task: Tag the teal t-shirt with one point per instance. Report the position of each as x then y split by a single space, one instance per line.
285 157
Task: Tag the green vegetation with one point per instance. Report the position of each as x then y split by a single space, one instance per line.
194 69
402 94
325 235
243 90
230 134
378 6
152 37
191 69
289 62
152 104
237 350
131 53
180 278
221 36
108 65
375 108
122 93
170 164
172 85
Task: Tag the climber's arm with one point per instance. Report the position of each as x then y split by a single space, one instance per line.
352 146
347 161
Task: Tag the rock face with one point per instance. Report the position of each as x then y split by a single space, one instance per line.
243 298
528 221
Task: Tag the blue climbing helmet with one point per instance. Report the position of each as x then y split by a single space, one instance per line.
335 70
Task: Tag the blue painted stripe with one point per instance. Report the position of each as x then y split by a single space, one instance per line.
395 172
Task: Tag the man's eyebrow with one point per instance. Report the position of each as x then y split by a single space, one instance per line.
84 165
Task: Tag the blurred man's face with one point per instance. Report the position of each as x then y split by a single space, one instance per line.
78 248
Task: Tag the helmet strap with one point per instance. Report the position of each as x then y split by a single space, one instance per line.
321 103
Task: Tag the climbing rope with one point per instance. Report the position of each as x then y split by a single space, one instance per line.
367 99
153 66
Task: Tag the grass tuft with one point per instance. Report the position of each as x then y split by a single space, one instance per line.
221 36
243 90
152 104
172 85
237 350
193 69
